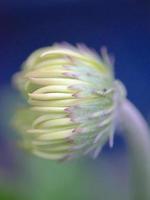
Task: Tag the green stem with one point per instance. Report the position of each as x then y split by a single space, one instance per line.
138 141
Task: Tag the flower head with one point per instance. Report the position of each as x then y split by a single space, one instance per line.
71 94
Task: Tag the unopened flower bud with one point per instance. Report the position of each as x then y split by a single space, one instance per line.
71 97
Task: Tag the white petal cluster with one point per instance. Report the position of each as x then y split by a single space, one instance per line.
70 94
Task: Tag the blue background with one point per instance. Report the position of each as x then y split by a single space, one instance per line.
122 25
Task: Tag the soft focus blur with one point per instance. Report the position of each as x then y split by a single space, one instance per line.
121 25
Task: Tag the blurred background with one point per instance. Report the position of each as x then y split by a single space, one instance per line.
121 25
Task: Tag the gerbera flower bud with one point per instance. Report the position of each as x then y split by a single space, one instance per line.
72 98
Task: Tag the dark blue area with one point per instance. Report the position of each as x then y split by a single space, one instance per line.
122 25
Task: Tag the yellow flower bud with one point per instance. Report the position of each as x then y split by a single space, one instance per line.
72 98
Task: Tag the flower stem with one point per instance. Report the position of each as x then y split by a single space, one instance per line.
137 135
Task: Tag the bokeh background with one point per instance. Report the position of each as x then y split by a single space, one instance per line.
121 25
